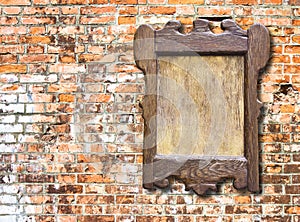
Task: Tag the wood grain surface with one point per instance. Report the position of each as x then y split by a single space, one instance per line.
201 105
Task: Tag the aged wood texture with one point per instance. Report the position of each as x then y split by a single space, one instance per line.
256 58
201 177
205 94
146 60
232 41
200 173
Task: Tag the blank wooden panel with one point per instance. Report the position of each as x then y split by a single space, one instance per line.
200 105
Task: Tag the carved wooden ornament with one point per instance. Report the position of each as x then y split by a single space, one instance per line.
200 106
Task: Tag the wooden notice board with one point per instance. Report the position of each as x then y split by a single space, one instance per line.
200 106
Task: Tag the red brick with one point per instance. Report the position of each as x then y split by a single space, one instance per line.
15 2
198 2
69 2
6 30
242 199
94 179
274 138
292 49
37 39
214 11
243 210
38 20
67 58
98 10
40 2
273 2
292 168
157 10
97 1
11 10
296 59
96 218
126 20
292 189
155 219
66 98
64 189
95 199
66 10
8 59
40 10
37 58
245 21
244 2
128 10
125 199
12 68
69 209
280 59
124 2
292 210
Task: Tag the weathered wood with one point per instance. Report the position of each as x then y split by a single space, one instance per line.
199 92
146 60
200 173
256 59
170 41
199 177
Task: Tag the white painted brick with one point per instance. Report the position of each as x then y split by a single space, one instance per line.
8 98
8 199
9 189
8 119
8 209
38 78
25 98
12 108
6 138
9 78
9 128
10 218
67 68
26 219
25 119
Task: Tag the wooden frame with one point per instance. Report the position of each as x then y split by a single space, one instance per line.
254 46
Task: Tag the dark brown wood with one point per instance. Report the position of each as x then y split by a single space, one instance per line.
201 173
201 40
256 58
199 177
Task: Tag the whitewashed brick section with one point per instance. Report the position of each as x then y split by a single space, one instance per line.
8 199
4 209
12 108
38 78
6 138
4 98
8 119
8 218
8 128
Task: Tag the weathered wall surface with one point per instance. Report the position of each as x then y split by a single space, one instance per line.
71 127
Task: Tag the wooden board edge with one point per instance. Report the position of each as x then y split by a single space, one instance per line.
256 59
145 59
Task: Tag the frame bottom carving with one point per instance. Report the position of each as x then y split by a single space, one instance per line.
201 177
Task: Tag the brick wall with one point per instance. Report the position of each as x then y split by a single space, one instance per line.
71 129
